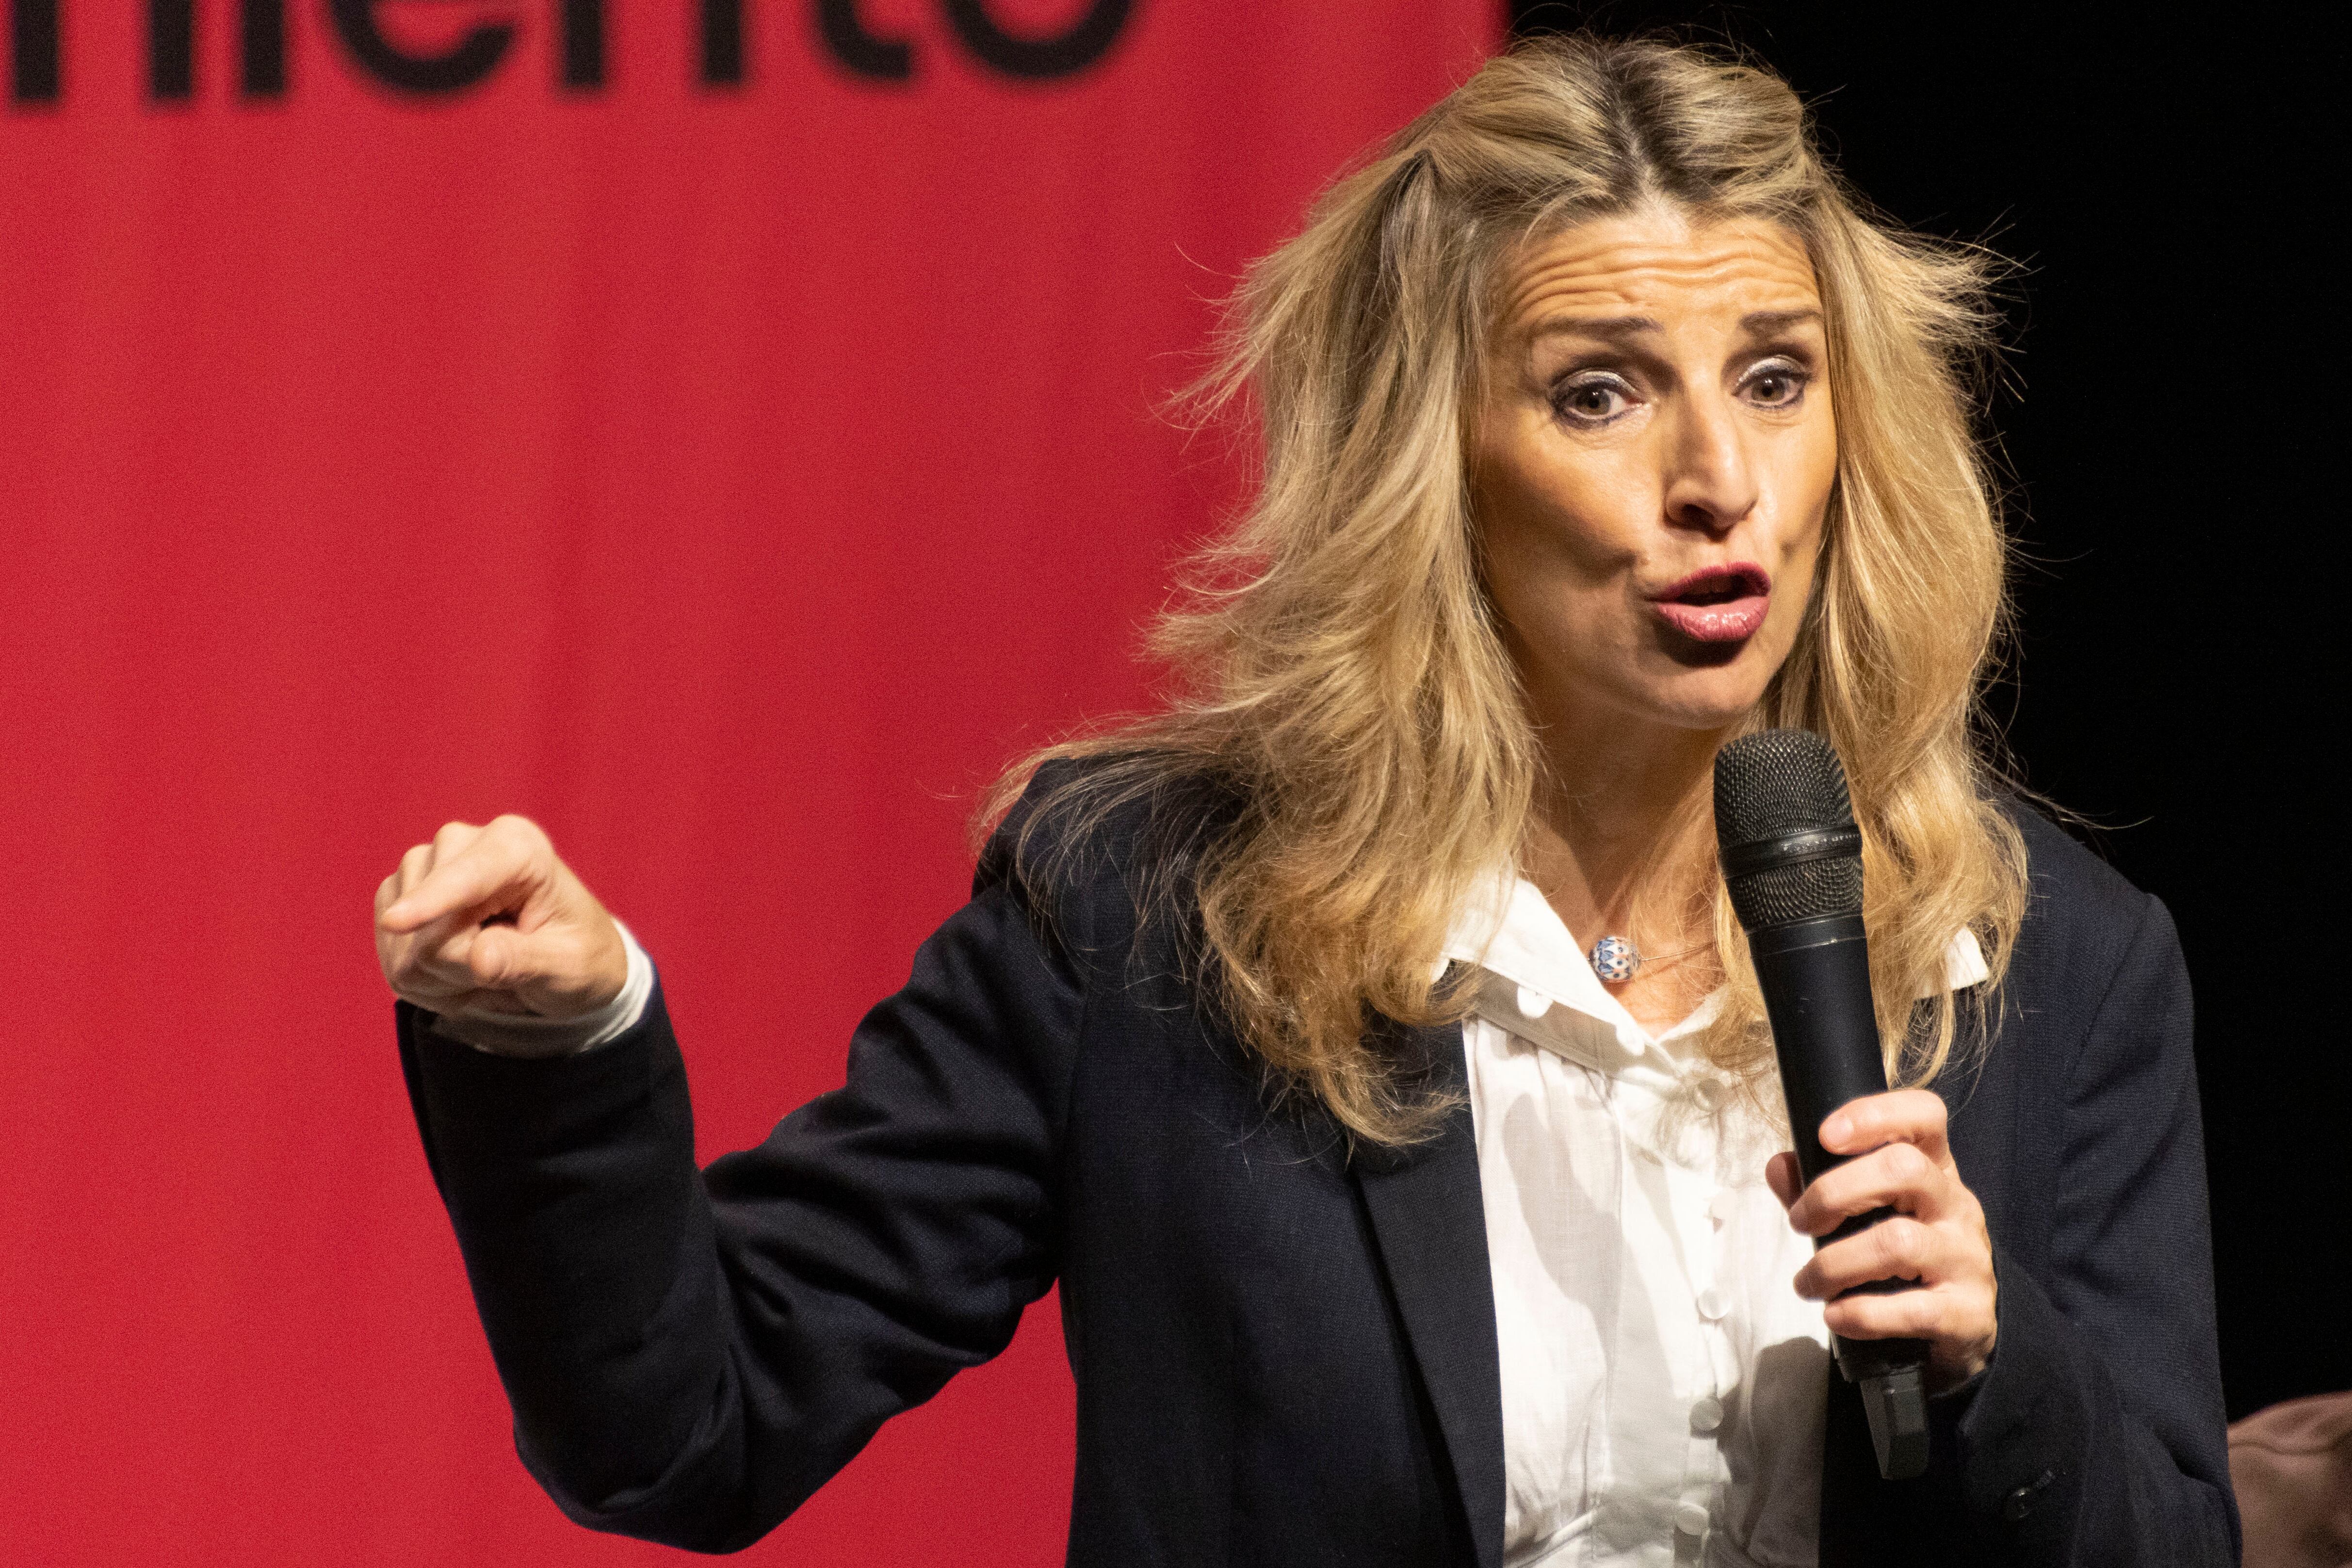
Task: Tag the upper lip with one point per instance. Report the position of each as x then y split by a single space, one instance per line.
1738 580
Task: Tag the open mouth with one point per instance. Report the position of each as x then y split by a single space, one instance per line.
1719 604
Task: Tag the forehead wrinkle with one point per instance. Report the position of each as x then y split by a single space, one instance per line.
1580 270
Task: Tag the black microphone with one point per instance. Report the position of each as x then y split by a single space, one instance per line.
1792 859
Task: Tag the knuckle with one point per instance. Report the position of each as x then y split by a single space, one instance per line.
1903 1243
1837 1266
1890 1317
1903 1315
518 830
487 960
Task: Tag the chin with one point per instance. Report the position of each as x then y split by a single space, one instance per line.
1710 685
1705 699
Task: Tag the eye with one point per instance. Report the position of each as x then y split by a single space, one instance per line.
1591 398
1778 385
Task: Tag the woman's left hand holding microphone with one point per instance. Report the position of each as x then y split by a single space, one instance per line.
1937 1235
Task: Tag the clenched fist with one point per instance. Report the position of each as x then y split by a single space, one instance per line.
487 920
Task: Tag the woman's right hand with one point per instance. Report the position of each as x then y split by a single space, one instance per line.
487 920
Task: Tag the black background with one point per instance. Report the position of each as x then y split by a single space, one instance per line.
2174 392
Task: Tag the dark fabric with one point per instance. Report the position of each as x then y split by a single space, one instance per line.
1282 1356
2097 1434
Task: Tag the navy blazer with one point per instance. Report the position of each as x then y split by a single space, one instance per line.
1285 1355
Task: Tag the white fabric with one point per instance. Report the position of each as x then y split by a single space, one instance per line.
1663 1382
512 1032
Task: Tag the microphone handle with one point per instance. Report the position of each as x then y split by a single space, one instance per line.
1815 975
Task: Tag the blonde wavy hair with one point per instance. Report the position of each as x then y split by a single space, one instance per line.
1345 688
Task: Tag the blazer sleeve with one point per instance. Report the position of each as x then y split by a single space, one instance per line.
2097 1435
689 1355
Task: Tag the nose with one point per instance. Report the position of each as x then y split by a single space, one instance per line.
1710 482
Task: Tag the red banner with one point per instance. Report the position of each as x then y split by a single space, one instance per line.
724 431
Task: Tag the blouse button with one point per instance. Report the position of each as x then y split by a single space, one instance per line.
1711 1304
1707 1414
1709 1092
1690 1518
1533 1004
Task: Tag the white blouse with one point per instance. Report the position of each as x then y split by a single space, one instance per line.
1663 1382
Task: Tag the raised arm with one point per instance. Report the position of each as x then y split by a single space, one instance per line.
690 1355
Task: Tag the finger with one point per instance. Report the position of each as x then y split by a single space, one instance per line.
1906 1116
474 1003
430 965
395 951
453 838
489 875
498 969
1781 1175
438 997
391 950
1899 1175
428 970
503 958
404 875
460 952
415 864
552 970
1897 1248
1925 1313
415 867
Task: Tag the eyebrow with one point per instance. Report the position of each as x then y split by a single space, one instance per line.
1762 323
1756 323
1596 327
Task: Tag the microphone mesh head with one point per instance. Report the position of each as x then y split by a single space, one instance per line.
1774 783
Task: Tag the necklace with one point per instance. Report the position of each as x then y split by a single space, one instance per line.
1616 960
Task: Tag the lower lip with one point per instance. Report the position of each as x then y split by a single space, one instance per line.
1733 621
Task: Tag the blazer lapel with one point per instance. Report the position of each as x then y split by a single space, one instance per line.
1430 1224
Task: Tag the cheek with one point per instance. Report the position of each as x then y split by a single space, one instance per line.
1805 474
1551 572
1560 524
1801 554
1816 469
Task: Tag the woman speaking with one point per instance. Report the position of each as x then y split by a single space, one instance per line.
1366 1043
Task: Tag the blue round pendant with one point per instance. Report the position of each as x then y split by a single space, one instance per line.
1614 959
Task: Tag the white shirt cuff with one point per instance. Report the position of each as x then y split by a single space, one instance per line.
510 1034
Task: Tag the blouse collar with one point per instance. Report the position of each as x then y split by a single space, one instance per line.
1510 931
